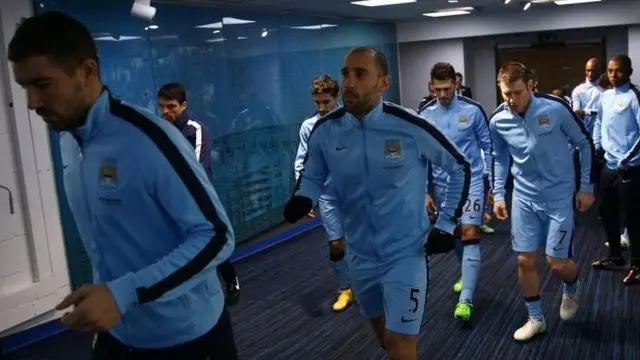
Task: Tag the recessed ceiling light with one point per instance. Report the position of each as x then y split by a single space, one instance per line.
314 27
453 1
372 3
450 12
573 2
527 6
225 21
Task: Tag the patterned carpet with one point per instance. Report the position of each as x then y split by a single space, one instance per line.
287 291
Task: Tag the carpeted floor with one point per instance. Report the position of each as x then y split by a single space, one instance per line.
287 292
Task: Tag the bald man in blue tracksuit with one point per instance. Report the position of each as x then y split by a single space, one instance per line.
465 123
617 137
585 98
377 154
538 131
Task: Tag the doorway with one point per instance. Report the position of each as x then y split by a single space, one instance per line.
558 65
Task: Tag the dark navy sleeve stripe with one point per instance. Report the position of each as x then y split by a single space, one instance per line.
636 146
431 187
337 113
474 103
169 149
497 111
486 120
403 114
427 104
593 174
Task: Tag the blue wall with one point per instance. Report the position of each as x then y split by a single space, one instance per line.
252 91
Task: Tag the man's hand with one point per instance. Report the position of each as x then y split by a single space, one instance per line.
95 309
584 200
312 214
487 218
431 205
500 209
490 197
297 207
439 242
580 113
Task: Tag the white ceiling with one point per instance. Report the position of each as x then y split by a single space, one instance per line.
344 8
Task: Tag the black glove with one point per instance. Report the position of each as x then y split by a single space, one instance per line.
297 207
439 242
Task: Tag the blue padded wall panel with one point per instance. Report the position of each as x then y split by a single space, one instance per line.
247 76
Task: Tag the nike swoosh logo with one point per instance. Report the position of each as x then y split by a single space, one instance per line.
557 248
625 181
338 148
404 320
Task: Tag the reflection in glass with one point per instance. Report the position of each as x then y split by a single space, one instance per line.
248 75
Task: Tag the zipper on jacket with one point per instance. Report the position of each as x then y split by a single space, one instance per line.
530 143
369 197
88 208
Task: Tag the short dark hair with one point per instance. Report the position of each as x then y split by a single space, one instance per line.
378 56
443 71
173 91
512 72
459 75
62 38
624 60
325 84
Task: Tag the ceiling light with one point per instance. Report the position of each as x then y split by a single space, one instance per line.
242 38
453 1
142 9
225 21
216 31
119 38
314 27
573 2
264 33
527 6
234 21
450 12
507 2
372 3
164 37
215 40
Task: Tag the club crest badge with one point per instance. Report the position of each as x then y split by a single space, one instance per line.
393 149
544 122
108 174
